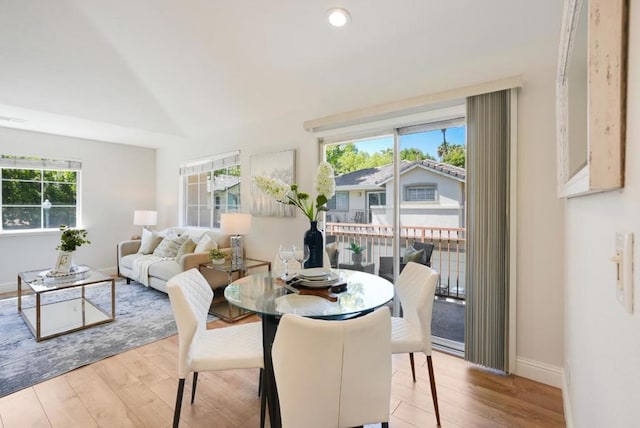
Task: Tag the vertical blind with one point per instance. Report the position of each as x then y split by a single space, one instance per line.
486 322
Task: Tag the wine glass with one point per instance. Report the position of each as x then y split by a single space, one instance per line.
285 252
301 254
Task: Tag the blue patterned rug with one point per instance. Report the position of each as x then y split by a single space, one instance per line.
143 315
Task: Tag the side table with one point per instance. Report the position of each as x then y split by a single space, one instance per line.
219 306
365 267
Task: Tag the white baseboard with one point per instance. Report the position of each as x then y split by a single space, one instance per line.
540 372
10 287
566 402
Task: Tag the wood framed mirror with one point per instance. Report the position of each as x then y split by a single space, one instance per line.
591 96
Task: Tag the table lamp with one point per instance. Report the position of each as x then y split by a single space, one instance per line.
236 224
145 218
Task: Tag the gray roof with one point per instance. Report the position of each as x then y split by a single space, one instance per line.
374 177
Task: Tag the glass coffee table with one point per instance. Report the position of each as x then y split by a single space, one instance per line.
219 306
73 313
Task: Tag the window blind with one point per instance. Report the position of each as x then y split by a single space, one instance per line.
7 161
488 187
211 164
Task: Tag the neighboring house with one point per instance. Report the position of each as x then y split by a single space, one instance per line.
431 194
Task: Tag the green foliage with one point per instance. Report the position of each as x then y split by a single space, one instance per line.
216 254
346 158
456 156
72 238
356 248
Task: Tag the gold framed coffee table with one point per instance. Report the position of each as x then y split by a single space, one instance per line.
47 320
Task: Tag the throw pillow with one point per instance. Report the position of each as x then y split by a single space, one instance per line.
150 240
205 244
169 246
412 255
186 248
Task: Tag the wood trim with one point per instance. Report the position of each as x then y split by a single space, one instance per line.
607 75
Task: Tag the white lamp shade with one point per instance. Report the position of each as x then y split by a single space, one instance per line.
235 223
145 218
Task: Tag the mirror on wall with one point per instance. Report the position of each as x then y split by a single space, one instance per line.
591 96
577 96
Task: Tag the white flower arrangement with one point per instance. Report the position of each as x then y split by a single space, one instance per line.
283 193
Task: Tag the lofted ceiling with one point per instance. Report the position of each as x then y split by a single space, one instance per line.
156 72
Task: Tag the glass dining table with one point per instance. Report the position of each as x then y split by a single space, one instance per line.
269 297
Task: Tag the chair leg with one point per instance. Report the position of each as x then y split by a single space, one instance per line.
260 382
413 367
434 394
195 383
263 400
176 413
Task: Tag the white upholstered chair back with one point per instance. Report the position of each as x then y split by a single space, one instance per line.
416 289
333 373
190 295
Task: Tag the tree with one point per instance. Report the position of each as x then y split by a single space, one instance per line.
452 154
414 154
345 158
456 156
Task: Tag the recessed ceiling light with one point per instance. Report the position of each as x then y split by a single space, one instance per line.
338 17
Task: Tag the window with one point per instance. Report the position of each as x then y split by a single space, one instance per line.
420 193
38 193
210 187
339 202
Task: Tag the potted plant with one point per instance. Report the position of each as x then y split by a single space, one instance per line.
71 238
69 241
217 257
357 251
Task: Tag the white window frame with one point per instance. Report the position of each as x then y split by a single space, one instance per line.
206 168
35 163
344 197
416 186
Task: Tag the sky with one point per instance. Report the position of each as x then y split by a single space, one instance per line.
428 141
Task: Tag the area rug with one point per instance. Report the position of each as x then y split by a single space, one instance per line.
143 315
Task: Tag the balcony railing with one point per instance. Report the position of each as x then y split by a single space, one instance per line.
448 255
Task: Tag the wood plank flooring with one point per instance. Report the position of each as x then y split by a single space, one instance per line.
137 389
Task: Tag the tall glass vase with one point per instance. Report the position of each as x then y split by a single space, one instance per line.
313 238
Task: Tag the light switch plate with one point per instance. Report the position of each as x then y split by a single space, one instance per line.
624 283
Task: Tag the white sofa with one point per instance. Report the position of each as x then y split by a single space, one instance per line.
160 272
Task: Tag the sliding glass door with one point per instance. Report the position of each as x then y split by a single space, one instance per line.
396 194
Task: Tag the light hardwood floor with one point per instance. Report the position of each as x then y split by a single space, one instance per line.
137 389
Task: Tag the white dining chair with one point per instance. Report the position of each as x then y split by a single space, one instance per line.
234 347
333 373
416 288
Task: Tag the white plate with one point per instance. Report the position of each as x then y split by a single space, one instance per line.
315 273
316 284
322 282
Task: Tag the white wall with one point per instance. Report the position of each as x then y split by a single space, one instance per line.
540 297
602 340
116 180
